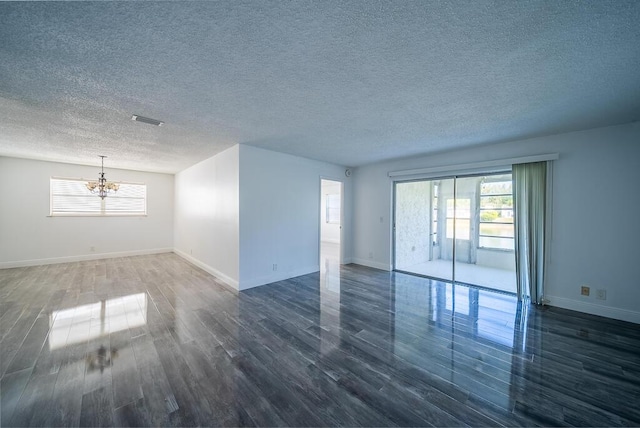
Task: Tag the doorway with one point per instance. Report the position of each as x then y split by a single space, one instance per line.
457 229
330 224
331 218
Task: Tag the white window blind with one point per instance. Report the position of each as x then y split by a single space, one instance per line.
70 196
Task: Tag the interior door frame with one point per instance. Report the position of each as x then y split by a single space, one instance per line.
342 214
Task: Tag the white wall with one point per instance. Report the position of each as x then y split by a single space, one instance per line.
206 226
28 236
596 213
280 215
329 232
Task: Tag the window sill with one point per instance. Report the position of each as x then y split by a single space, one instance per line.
97 215
498 250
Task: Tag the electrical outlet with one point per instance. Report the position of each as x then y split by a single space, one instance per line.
275 267
584 290
370 254
92 249
601 294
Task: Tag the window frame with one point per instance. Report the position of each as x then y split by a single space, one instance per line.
330 214
435 189
453 225
481 222
104 212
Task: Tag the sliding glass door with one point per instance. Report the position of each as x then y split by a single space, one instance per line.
420 224
456 229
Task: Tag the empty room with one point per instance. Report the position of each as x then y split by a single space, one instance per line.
320 213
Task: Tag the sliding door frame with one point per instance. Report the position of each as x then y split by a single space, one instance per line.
506 170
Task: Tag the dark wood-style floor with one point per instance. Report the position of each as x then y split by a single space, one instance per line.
154 341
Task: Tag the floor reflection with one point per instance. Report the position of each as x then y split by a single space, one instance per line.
329 294
330 267
348 347
480 313
383 323
86 322
465 311
101 359
467 335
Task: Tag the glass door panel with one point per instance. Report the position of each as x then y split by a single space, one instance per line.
412 225
466 227
442 267
420 228
485 257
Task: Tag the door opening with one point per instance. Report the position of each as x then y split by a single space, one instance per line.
330 225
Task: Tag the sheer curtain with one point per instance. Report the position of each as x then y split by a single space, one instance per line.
529 202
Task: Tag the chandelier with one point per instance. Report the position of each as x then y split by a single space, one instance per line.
102 187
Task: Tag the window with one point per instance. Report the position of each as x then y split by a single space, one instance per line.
70 196
434 216
496 213
333 208
461 216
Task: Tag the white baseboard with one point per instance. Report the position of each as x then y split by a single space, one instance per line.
81 258
371 264
593 309
225 279
331 241
277 276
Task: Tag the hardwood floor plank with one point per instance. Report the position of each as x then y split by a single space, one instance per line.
34 402
191 402
15 337
11 388
97 408
133 414
67 395
155 341
124 371
280 395
28 352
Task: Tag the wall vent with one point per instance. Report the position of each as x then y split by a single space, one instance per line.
148 120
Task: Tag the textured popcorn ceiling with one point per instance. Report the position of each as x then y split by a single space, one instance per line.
349 82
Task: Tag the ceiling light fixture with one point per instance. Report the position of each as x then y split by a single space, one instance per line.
102 187
148 120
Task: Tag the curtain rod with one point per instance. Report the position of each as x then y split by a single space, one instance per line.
477 165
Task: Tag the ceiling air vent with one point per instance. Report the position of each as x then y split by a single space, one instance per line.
147 120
